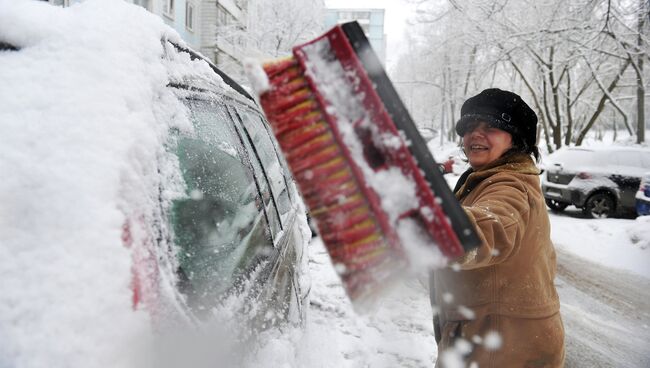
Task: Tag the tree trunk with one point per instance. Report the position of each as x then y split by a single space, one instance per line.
569 116
556 129
538 106
452 99
449 100
601 103
640 88
556 99
640 106
470 69
615 127
443 105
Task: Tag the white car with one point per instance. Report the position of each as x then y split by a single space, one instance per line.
602 180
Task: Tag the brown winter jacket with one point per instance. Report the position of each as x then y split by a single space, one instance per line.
510 276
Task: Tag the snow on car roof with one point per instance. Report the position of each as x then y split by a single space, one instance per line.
590 155
84 109
621 160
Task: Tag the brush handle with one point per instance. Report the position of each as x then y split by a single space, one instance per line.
463 228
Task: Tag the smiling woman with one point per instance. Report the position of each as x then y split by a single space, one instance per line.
483 144
498 306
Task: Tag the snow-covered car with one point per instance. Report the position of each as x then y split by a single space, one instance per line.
602 181
643 196
140 184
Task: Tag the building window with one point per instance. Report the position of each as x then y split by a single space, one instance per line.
224 18
362 15
345 15
189 16
353 15
168 8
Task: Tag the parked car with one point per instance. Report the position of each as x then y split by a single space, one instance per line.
115 132
601 181
643 196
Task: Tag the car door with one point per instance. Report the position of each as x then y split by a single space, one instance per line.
220 227
235 225
281 209
234 228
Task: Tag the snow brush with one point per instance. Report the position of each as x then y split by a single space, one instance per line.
365 172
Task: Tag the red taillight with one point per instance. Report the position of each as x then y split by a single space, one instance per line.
583 176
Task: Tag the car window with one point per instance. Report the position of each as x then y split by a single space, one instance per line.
265 150
220 227
283 162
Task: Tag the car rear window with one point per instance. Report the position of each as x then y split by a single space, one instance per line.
220 227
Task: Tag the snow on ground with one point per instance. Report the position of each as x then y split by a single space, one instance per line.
606 314
399 333
617 243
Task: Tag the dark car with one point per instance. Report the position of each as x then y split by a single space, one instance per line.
117 133
601 181
643 196
241 217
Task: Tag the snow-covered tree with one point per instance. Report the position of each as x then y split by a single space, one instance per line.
573 60
273 27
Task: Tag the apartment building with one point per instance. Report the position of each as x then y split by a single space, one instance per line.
214 28
371 20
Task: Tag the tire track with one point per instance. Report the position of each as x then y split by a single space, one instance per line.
606 314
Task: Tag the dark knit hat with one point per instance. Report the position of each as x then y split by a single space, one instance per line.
503 110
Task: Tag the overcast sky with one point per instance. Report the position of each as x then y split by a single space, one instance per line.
395 16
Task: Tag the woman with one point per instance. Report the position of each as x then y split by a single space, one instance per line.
497 305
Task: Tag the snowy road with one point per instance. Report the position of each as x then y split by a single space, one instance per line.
606 314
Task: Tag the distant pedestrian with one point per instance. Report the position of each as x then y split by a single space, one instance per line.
497 305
